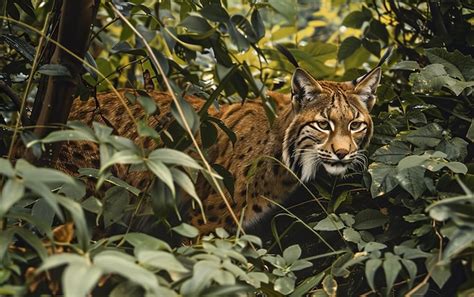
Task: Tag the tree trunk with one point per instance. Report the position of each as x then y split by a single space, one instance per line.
75 24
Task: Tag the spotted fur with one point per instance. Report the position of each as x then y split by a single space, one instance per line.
321 125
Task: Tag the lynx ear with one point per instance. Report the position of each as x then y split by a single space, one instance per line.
366 86
304 88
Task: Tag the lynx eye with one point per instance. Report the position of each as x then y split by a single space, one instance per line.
357 126
324 125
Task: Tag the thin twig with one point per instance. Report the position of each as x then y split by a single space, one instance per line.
29 84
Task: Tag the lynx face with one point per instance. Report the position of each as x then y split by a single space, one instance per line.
331 126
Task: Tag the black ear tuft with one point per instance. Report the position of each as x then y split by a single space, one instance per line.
303 87
366 86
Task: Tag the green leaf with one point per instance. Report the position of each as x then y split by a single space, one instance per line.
351 235
208 134
203 272
237 38
457 167
455 148
285 8
257 24
146 131
284 285
54 70
244 26
34 174
440 274
33 241
330 285
122 157
307 285
356 19
406 65
378 30
127 289
162 200
184 182
6 168
196 24
147 103
125 47
215 12
348 219
115 202
162 172
147 242
331 223
374 246
292 253
173 157
412 269
391 153
45 192
470 131
79 279
121 264
227 131
412 180
12 192
371 267
410 253
228 178
79 219
412 161
62 259
5 238
300 265
427 136
92 204
92 172
162 260
385 94
39 222
227 290
391 267
369 219
434 77
383 178
372 46
413 218
460 241
186 230
348 47
458 65
23 47
221 233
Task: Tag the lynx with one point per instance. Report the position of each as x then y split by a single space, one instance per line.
321 126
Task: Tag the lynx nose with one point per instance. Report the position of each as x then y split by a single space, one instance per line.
341 153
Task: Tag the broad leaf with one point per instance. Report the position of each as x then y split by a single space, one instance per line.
369 219
383 178
12 192
79 279
391 267
173 157
371 267
412 180
162 260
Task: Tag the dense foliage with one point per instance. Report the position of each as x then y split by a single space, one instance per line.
404 227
